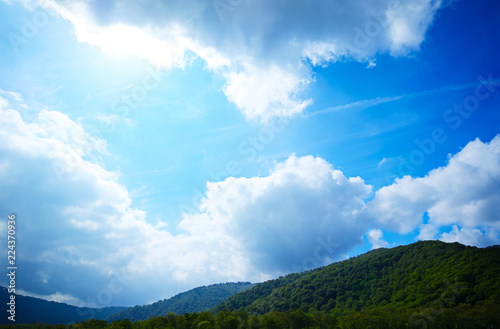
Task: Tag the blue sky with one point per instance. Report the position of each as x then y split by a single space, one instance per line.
151 148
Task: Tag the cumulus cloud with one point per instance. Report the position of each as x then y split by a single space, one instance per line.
375 238
278 219
471 236
463 194
82 241
256 91
80 236
264 50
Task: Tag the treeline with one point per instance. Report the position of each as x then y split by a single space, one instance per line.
195 300
466 316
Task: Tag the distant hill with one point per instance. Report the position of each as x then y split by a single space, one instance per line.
30 309
405 278
195 300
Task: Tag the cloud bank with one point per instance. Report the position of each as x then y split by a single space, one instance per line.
265 51
462 195
82 241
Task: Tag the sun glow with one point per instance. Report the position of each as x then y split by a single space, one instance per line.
121 39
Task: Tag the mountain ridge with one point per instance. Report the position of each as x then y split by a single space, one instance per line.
194 300
32 309
408 276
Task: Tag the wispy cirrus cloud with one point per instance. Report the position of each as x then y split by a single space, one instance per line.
362 104
114 119
368 103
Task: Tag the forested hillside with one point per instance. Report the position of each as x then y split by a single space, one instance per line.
195 300
30 309
405 277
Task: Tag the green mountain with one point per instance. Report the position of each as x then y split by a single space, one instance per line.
195 300
402 278
30 309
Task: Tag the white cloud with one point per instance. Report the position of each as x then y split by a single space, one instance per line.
362 104
110 120
77 225
81 237
278 219
427 232
375 238
463 193
56 297
381 162
16 96
264 50
85 242
471 236
411 17
3 102
266 93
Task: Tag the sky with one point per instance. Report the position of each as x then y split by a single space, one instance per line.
151 147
